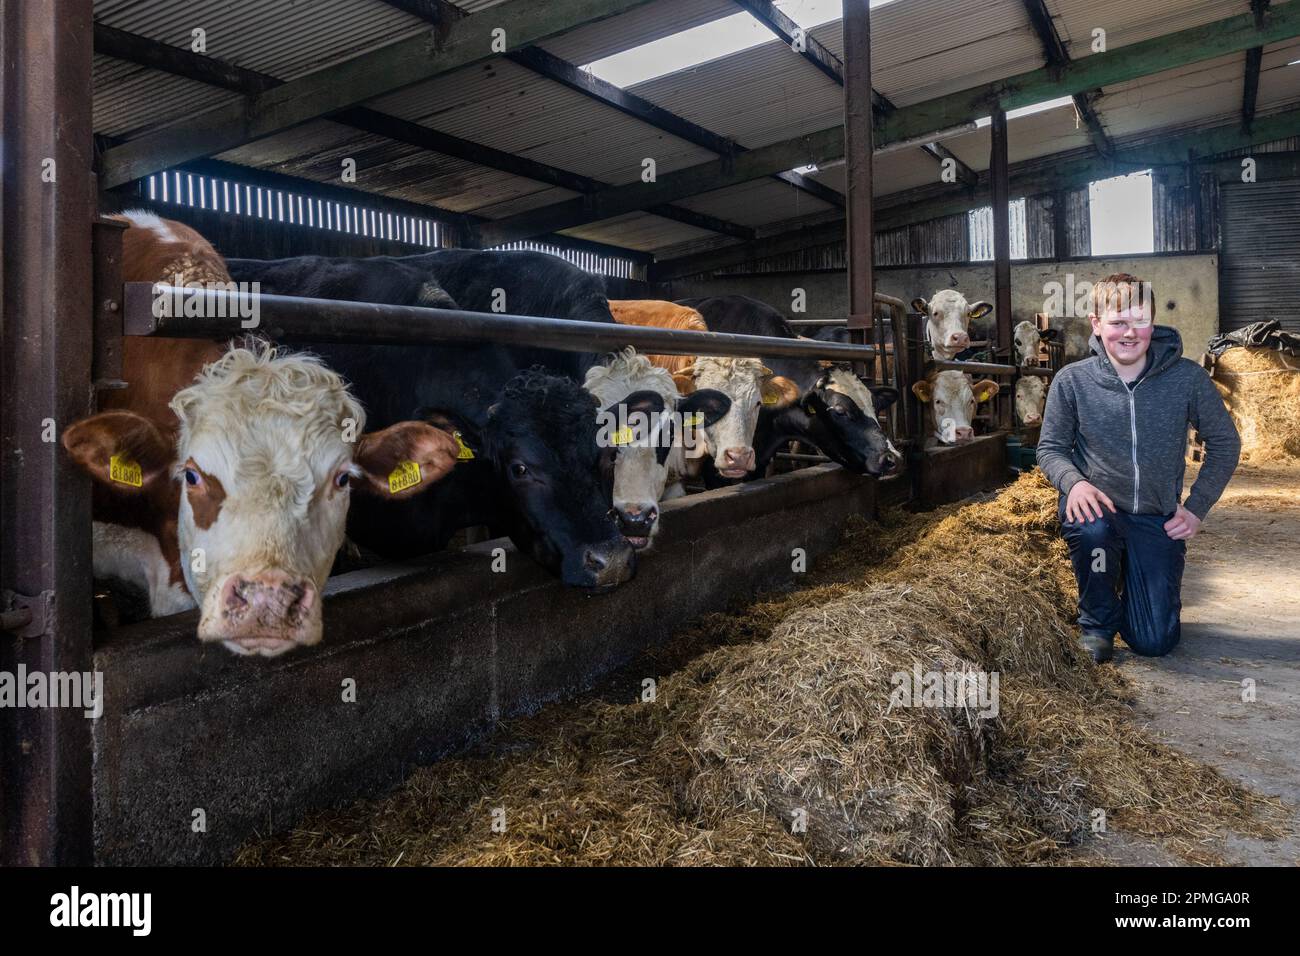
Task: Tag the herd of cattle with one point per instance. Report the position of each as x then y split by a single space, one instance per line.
227 476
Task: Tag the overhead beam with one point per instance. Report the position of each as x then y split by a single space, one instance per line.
448 47
558 70
858 128
1057 55
909 123
1254 62
157 55
1039 176
828 63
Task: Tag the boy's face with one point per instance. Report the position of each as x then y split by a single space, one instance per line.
1126 334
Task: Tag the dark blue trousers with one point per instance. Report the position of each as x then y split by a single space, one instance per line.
1130 576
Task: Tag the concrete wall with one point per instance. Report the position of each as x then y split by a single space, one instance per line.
440 649
1187 287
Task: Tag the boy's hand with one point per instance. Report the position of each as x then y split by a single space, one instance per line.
1182 525
1084 502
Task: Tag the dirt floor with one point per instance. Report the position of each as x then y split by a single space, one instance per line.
1241 622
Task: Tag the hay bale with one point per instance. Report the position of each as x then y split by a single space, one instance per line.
793 713
1261 388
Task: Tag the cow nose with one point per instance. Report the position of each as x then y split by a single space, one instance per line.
738 459
965 434
609 563
958 340
888 465
269 612
637 521
1032 419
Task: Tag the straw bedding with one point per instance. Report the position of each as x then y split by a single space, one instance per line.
1261 388
772 739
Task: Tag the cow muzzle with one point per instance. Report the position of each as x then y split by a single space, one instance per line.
264 614
604 565
957 340
736 462
638 523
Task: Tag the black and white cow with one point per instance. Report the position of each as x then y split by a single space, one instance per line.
530 465
836 410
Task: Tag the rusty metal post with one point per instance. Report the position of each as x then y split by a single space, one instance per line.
858 148
46 209
998 177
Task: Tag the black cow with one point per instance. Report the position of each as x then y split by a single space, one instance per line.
833 413
531 466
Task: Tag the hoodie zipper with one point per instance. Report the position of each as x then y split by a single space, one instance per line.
1133 429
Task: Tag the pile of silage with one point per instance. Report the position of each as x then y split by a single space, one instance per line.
1261 388
782 745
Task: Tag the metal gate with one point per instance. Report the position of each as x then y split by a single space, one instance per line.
1260 276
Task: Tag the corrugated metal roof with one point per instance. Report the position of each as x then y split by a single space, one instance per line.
920 49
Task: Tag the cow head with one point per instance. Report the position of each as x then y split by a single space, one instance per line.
629 383
844 410
269 452
1031 394
947 321
751 387
952 398
540 436
1027 337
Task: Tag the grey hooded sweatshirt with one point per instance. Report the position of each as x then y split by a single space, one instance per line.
1131 442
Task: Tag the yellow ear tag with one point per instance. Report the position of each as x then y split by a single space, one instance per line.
463 451
125 471
770 399
405 475
693 418
624 436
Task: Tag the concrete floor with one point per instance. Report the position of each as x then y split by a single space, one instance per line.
1241 619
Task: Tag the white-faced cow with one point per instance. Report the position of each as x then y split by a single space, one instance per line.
650 466
247 505
951 398
747 382
947 321
1031 395
1027 338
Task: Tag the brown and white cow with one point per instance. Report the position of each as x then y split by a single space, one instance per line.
947 321
1031 396
748 383
144 529
951 397
247 505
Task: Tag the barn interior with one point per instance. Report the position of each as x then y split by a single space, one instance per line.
833 161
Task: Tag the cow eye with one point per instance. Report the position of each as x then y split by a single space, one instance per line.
193 478
341 479
518 470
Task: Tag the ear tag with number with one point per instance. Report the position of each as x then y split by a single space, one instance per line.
624 436
770 399
463 451
405 475
693 418
125 471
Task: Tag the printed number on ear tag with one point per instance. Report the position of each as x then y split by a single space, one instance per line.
405 475
693 418
463 451
125 471
770 399
624 436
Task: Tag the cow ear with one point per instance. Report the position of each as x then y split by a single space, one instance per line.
646 401
978 310
923 390
985 389
1048 335
883 396
405 459
122 450
709 402
920 305
685 382
779 392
